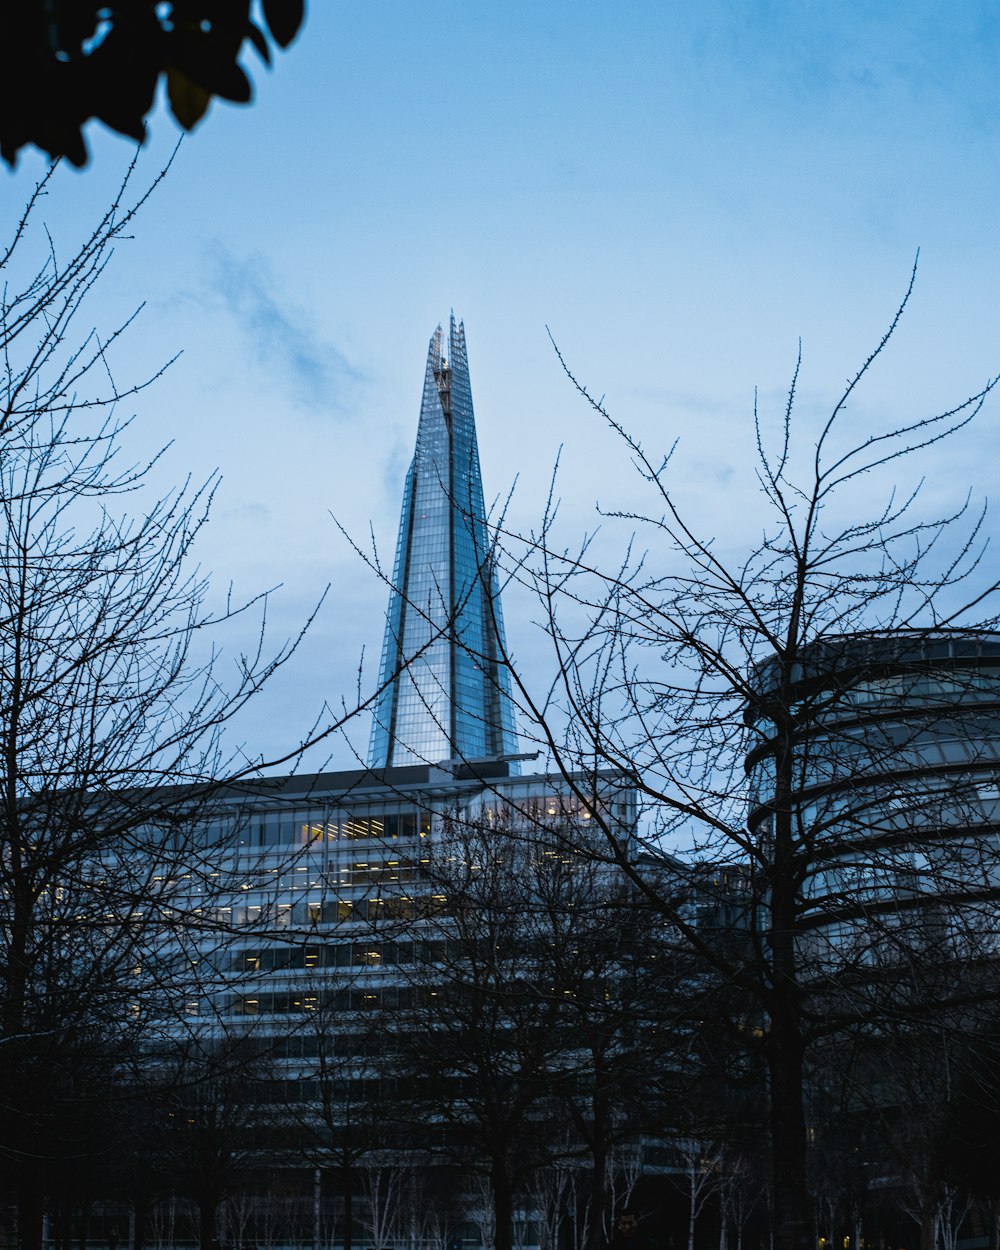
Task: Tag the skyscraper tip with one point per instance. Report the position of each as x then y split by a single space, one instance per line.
445 682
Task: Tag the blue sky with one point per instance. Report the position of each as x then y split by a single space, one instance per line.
678 191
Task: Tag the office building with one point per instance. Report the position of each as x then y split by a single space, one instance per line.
894 790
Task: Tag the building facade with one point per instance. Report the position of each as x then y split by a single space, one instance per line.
893 790
331 865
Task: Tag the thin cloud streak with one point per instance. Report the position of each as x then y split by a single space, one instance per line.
280 336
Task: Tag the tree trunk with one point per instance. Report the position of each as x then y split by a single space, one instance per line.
503 1208
317 1208
785 1048
29 1207
84 1229
788 1137
208 1209
58 1228
140 1210
598 1196
348 1175
928 1224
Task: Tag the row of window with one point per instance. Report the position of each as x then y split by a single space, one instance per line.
334 1046
366 1091
376 910
345 955
259 829
297 1002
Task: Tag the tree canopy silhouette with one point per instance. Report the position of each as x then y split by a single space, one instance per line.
66 62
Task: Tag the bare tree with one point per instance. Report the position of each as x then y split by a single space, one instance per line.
345 1127
112 702
627 1011
211 1126
748 698
701 1173
740 1192
486 1043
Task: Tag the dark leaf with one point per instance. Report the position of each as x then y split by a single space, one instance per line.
256 37
188 101
72 148
117 115
117 82
211 63
284 17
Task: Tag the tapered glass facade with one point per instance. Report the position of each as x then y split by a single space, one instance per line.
445 686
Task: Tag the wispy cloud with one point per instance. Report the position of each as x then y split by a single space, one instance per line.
279 334
249 512
397 458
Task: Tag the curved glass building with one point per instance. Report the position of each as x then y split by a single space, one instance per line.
887 774
445 686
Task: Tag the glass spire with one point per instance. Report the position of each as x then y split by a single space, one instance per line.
448 692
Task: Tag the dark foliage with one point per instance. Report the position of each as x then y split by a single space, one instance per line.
66 62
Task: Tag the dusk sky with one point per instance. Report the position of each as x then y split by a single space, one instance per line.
679 192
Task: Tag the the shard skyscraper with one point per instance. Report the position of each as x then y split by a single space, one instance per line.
446 693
